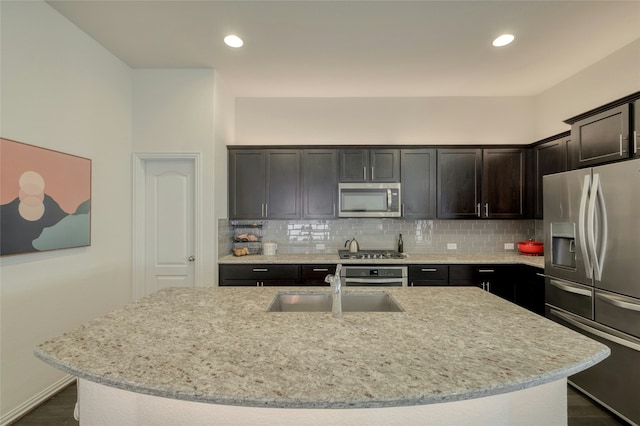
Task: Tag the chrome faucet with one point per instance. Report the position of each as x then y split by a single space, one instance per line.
336 290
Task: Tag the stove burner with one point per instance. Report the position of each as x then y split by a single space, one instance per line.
370 254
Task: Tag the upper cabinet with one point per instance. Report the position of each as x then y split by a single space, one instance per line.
369 165
635 143
418 183
320 183
458 188
549 157
481 183
601 138
264 184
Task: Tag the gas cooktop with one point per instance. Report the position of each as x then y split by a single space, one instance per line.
370 254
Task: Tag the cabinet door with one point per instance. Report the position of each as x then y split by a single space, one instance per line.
283 184
315 274
550 157
247 188
459 174
602 137
428 275
635 143
385 165
354 165
529 291
418 183
503 183
320 183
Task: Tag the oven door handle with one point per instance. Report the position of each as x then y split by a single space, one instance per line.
373 280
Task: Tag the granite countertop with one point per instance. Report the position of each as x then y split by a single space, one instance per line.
219 345
409 258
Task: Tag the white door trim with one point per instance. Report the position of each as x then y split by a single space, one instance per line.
139 211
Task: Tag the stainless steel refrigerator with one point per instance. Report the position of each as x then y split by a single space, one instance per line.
592 268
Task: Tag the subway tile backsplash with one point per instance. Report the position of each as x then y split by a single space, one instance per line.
419 236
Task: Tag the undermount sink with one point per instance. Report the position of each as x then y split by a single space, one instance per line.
322 302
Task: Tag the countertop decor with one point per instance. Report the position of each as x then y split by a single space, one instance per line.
220 345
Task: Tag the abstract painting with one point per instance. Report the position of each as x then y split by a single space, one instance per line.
45 199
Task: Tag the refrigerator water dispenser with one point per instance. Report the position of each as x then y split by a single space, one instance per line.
563 245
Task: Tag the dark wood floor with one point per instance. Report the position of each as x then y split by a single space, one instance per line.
58 411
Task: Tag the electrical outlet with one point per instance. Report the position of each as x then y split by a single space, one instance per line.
508 246
452 246
319 246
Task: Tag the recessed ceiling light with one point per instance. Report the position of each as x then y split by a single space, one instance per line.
233 41
503 40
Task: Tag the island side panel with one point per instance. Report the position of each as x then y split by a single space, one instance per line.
539 405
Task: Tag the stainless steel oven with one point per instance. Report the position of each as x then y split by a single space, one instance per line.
374 276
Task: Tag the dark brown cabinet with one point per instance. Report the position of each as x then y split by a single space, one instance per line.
264 184
458 185
428 275
320 183
315 274
481 183
369 165
549 157
503 183
529 291
418 177
635 141
258 275
492 278
602 137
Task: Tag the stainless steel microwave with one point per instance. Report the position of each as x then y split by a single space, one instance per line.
369 200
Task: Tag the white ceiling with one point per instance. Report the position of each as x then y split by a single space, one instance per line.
364 48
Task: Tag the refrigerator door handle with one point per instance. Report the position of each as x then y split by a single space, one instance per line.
619 302
582 226
597 198
570 288
596 331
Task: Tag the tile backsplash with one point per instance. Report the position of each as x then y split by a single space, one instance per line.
419 236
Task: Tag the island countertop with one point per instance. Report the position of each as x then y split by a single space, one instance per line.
220 345
409 258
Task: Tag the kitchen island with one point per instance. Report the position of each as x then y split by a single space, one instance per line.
455 355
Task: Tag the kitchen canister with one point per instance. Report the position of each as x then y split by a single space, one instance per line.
269 248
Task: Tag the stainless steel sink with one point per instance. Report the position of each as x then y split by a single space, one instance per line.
321 302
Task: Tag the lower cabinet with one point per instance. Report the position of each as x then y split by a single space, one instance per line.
428 275
530 289
259 275
496 279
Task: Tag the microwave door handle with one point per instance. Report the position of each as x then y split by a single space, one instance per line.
389 201
582 232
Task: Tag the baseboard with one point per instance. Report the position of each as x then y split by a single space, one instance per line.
36 400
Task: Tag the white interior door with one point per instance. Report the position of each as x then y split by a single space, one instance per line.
169 224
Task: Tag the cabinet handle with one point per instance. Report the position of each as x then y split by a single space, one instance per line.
635 141
364 173
478 210
540 275
320 269
486 209
486 271
620 144
260 269
372 175
334 209
428 269
262 210
266 210
489 286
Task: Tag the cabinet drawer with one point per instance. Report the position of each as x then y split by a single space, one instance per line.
428 272
472 272
315 274
259 272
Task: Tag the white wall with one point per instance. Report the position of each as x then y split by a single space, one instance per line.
62 90
437 120
173 111
611 78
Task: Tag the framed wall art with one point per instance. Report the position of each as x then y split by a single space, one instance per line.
45 199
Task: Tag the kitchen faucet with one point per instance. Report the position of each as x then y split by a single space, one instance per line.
336 290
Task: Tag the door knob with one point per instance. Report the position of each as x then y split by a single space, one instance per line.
192 258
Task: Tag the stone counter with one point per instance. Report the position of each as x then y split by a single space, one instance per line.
219 345
409 258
